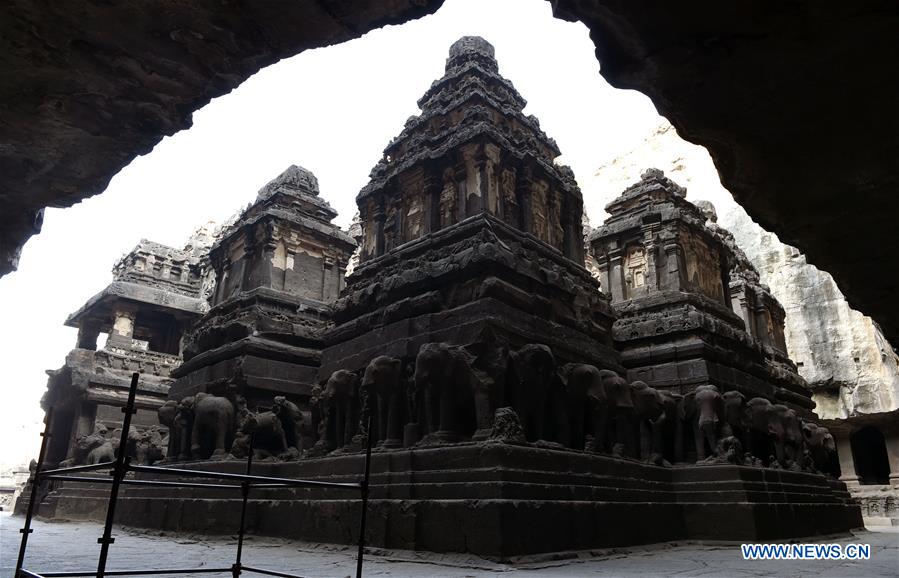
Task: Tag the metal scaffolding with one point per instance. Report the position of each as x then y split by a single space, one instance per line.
121 466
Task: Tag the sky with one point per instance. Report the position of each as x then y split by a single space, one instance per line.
332 111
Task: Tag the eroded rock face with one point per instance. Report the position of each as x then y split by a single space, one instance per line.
840 352
793 104
90 86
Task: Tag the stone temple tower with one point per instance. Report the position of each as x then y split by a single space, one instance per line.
471 235
277 268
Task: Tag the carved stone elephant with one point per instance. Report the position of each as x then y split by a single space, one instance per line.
736 418
649 410
707 419
383 380
183 427
166 415
291 422
767 431
530 378
580 406
821 447
620 403
793 440
267 435
459 401
671 425
213 427
339 409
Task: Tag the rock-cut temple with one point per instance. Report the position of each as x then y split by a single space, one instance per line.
518 402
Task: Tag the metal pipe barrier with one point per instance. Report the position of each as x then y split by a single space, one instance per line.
121 466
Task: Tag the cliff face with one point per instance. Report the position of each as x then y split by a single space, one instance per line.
840 352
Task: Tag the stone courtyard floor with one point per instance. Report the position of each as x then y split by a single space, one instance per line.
73 545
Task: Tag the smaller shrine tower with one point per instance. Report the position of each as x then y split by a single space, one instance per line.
674 282
277 269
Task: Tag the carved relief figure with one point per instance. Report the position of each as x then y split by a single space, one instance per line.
635 269
414 217
507 197
539 211
557 232
448 196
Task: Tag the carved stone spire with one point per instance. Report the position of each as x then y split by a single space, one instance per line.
471 151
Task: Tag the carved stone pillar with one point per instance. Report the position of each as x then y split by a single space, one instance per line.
259 252
87 336
616 275
523 191
122 328
892 442
847 463
650 251
379 217
431 187
674 257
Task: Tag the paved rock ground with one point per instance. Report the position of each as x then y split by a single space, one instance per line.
73 545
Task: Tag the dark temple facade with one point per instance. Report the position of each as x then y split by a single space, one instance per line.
517 404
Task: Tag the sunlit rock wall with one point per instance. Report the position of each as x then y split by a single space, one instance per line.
840 352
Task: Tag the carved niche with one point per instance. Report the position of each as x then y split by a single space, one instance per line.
539 210
634 269
448 196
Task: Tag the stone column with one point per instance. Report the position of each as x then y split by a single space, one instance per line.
88 332
616 275
892 442
847 463
380 217
122 328
523 193
431 187
650 250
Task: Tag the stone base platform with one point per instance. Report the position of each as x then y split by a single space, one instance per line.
494 500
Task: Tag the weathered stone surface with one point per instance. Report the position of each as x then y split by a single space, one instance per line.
471 295
92 86
793 105
839 351
97 86
496 500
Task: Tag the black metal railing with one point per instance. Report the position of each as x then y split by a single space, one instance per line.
121 466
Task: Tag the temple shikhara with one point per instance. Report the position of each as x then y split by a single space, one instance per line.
518 403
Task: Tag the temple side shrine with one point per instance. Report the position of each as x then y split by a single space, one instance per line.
155 296
517 404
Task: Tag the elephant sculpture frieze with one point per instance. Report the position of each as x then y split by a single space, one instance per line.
459 400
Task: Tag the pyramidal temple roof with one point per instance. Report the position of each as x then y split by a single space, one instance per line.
470 100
